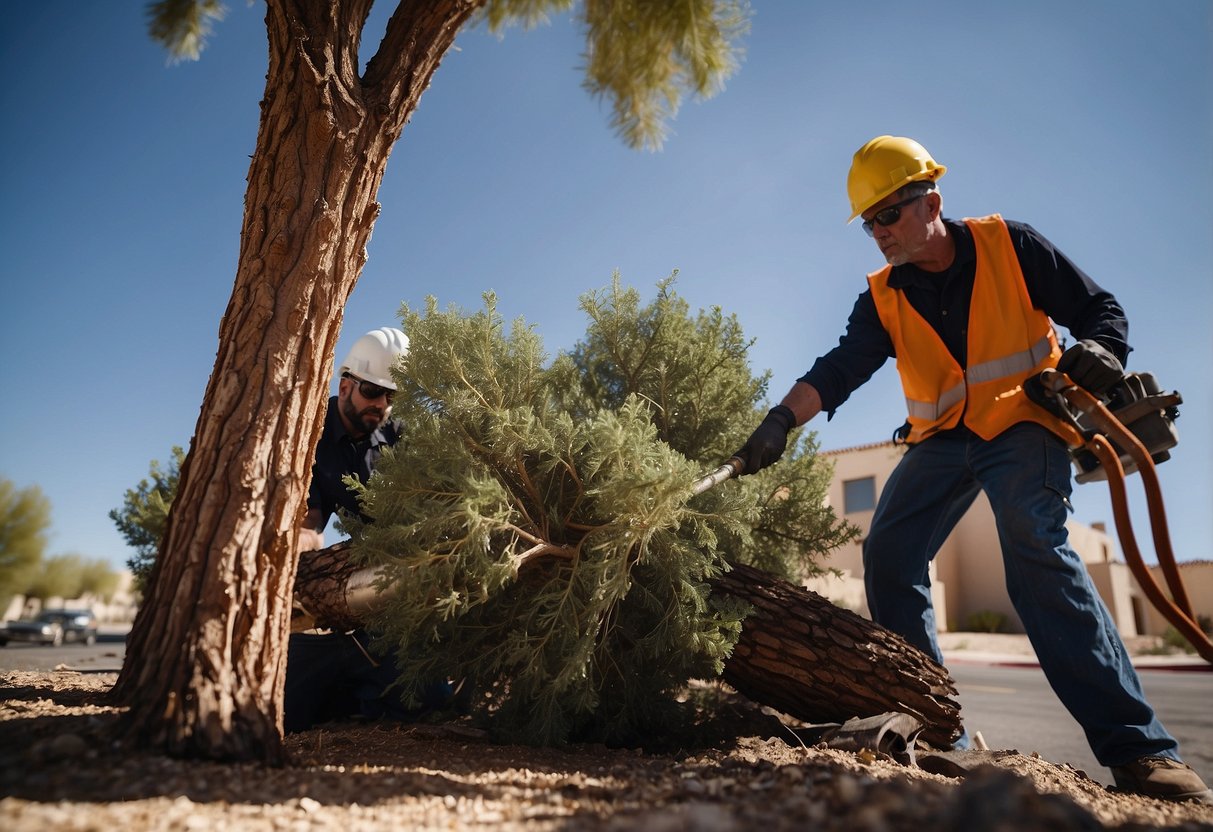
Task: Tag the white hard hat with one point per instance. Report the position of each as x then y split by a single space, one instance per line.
373 356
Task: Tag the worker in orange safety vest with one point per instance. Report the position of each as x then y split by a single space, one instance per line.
967 308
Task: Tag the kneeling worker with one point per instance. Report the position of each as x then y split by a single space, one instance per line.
337 675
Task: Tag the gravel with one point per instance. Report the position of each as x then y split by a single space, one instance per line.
742 770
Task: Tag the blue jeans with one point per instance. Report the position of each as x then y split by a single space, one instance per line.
1025 473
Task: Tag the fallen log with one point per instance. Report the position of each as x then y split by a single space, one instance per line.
323 591
798 653
817 662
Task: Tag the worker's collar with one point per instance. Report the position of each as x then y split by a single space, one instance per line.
902 277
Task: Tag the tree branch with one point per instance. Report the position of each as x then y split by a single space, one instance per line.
542 549
399 73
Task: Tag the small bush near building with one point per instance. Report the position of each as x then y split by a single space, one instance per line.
1172 638
986 621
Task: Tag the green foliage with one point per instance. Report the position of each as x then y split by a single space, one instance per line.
986 621
540 535
58 577
694 372
24 520
71 576
642 56
1173 639
182 26
144 512
529 13
99 579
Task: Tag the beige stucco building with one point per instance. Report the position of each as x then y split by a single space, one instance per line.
967 576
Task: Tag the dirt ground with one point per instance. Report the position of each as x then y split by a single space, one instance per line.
743 770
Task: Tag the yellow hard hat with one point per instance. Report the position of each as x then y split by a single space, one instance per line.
885 164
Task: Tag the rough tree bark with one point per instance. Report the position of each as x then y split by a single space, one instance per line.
802 655
206 658
798 653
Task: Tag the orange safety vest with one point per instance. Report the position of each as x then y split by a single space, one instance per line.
1009 341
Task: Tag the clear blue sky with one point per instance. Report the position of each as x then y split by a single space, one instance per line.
123 183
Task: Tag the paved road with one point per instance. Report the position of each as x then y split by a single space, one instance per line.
1014 707
105 655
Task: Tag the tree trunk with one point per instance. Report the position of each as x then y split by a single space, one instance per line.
817 662
798 653
206 658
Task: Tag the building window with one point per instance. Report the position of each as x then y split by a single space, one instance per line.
858 495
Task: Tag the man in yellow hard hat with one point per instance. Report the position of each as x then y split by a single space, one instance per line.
967 308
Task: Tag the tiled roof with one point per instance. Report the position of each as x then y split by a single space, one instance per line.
885 444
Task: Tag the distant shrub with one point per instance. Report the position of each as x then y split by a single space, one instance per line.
986 621
1159 648
1173 638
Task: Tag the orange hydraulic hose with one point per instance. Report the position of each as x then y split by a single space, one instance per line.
1112 426
1177 609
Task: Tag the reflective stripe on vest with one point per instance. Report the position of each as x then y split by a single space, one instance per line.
933 410
992 370
1010 365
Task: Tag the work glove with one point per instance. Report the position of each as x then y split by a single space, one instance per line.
1091 366
768 442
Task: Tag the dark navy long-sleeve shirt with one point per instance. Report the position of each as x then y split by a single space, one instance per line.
1056 286
338 454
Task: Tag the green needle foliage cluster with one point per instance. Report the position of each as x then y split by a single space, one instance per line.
142 518
537 524
25 517
643 56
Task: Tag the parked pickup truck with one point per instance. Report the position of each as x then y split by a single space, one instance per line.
52 627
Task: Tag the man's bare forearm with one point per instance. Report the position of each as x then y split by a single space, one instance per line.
803 400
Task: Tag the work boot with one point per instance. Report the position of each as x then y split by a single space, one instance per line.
1163 778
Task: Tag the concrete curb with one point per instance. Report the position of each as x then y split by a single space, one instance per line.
1186 664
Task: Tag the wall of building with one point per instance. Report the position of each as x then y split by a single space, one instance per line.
974 559
1122 596
1197 577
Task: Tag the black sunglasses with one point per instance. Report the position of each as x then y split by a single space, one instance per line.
371 391
890 215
